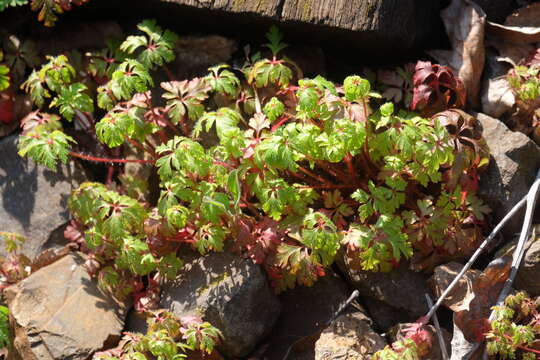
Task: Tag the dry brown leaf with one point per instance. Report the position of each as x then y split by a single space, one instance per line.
471 316
464 22
515 34
444 275
526 16
497 97
509 52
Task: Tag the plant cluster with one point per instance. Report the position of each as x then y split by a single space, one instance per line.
515 330
291 169
167 338
48 10
524 80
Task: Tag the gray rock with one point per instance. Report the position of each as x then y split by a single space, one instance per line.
60 313
305 310
195 54
514 162
385 316
350 337
229 292
401 288
529 270
34 198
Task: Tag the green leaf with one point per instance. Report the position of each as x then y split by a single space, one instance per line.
45 148
356 88
222 80
274 37
224 119
71 99
4 77
157 46
5 3
266 72
234 186
274 109
210 237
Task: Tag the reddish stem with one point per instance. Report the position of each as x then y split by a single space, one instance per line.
106 160
315 176
334 172
110 173
522 347
139 146
284 118
223 163
169 73
329 186
350 166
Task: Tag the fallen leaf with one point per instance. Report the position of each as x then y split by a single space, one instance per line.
444 275
510 53
471 315
497 97
464 22
521 27
526 16
514 34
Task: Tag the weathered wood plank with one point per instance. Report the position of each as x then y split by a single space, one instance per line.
370 28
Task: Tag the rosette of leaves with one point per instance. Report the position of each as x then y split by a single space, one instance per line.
166 338
515 330
524 80
298 169
436 88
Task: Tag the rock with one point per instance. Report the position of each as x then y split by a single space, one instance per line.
34 198
350 337
401 288
514 162
136 322
60 313
529 270
79 35
385 316
444 275
497 96
384 27
305 310
229 292
195 54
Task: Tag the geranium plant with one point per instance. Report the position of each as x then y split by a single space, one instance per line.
291 169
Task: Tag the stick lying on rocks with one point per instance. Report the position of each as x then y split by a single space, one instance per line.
530 199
